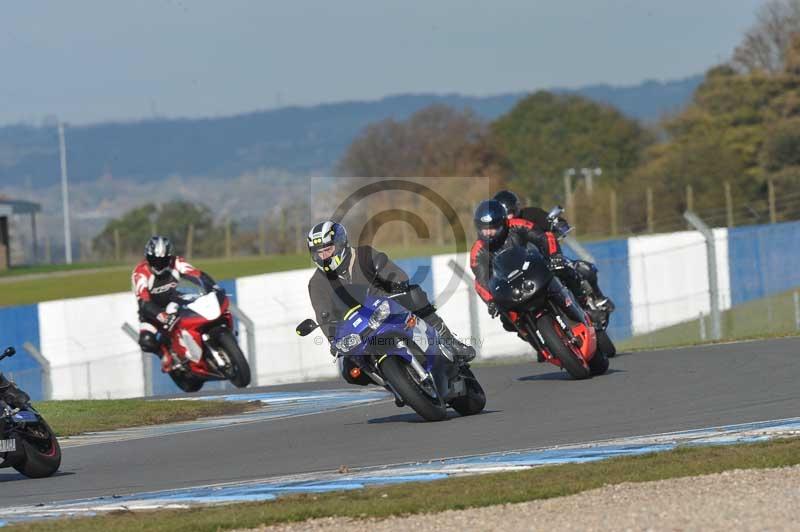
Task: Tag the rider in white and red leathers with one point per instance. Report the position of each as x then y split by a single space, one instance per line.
155 280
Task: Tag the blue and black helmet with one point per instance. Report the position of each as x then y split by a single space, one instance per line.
491 222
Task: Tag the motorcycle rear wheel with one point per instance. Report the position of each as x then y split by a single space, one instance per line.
41 460
395 371
475 400
605 344
556 342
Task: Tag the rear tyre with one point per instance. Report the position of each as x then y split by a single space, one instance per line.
599 363
474 401
557 343
605 344
239 373
187 382
42 457
396 371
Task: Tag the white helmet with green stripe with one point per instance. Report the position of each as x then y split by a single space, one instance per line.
327 243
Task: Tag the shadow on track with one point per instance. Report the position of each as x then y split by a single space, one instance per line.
563 376
12 477
414 418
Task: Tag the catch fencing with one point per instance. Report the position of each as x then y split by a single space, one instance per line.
660 284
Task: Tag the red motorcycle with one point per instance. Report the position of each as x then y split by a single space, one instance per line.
202 343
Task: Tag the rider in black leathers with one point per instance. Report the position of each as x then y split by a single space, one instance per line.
586 271
340 266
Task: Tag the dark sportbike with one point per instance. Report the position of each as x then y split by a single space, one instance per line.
599 313
544 312
402 353
27 443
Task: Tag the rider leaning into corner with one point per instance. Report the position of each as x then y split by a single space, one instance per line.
155 280
496 232
340 265
585 270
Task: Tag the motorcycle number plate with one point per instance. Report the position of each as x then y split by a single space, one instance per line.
8 446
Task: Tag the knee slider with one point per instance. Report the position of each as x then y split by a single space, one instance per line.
148 342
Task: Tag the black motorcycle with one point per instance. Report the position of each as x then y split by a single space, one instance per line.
599 313
27 443
544 312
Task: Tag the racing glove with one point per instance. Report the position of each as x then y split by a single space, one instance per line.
167 320
557 262
491 306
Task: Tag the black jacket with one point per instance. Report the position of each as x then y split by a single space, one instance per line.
520 233
329 292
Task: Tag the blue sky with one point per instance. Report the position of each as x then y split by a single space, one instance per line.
96 60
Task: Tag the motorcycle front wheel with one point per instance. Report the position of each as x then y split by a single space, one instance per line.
398 373
239 374
559 347
42 450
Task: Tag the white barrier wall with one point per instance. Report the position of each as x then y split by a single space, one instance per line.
89 355
453 307
669 278
277 303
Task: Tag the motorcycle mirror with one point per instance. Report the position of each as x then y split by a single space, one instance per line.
305 328
9 352
555 212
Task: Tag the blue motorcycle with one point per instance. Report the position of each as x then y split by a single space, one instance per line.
27 443
400 352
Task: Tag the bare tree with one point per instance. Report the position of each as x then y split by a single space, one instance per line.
765 43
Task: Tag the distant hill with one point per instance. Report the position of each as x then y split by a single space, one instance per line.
299 140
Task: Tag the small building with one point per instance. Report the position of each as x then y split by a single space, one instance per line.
9 208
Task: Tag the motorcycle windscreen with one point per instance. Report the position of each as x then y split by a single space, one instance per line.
512 262
206 306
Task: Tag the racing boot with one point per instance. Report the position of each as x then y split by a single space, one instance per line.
461 351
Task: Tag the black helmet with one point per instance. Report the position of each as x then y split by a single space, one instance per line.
159 254
510 201
327 243
491 223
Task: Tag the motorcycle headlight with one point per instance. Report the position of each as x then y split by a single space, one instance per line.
348 342
528 285
379 315
516 294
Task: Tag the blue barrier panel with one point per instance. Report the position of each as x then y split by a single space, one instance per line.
612 262
763 260
17 326
162 383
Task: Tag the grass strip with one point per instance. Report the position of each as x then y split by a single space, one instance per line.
450 494
69 418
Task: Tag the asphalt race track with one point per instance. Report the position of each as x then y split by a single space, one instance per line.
529 405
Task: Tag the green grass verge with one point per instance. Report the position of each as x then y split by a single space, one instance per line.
68 281
449 494
68 418
763 318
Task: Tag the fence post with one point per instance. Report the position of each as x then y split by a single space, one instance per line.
613 209
47 382
689 200
650 211
797 310
703 335
773 215
713 284
728 203
189 241
262 237
116 245
228 238
474 321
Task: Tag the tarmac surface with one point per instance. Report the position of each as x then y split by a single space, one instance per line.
528 405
